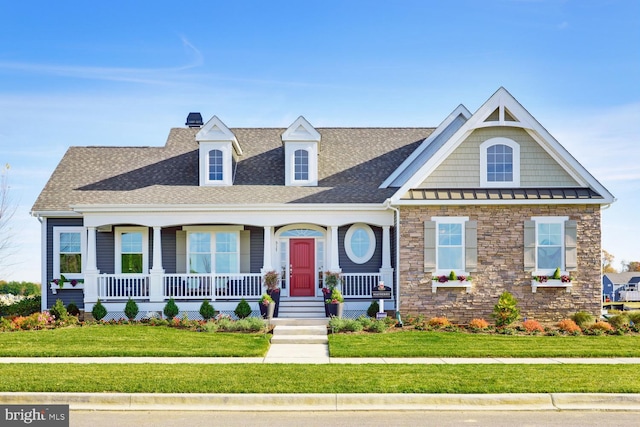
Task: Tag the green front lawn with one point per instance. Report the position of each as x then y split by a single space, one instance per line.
130 340
277 378
451 344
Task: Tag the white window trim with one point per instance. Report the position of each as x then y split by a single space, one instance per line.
212 230
550 220
145 247
451 220
372 243
483 162
227 164
290 149
56 251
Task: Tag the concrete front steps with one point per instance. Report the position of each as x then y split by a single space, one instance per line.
301 308
300 331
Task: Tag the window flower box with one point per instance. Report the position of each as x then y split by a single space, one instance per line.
57 284
451 281
558 280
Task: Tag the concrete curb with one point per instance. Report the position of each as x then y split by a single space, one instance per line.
330 402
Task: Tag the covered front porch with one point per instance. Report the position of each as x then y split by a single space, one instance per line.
358 245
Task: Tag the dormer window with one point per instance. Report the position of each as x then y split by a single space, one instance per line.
216 165
301 165
301 143
499 163
219 152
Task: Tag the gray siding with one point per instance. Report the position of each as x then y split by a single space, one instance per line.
168 250
257 249
106 252
66 295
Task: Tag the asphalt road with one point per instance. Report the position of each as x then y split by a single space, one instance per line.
355 419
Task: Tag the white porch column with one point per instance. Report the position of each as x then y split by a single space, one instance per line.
334 265
157 271
386 271
91 269
267 258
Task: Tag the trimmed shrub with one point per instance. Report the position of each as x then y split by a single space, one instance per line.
634 316
26 307
478 325
532 326
59 311
582 318
206 310
73 309
378 326
171 310
374 307
568 326
243 309
131 310
505 311
99 311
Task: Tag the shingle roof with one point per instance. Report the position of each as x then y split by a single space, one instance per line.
353 162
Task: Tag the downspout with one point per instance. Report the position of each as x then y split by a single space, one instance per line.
397 254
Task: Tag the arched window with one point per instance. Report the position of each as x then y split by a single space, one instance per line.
499 163
301 165
215 165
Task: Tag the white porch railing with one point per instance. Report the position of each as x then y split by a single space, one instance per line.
212 286
123 286
359 285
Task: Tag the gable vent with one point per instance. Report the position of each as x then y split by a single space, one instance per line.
194 120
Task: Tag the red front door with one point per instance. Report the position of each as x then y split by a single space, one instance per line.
302 268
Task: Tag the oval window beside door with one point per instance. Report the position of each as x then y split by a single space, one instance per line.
360 243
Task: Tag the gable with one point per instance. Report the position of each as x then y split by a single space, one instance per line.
462 168
502 147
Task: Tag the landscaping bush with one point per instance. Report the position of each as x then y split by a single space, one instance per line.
99 311
582 318
532 326
439 322
634 316
243 309
131 310
568 326
374 307
171 310
59 311
505 311
25 307
206 310
619 321
478 325
366 321
600 328
378 326
73 309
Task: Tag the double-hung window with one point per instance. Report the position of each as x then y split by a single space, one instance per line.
69 244
550 243
213 251
450 245
132 250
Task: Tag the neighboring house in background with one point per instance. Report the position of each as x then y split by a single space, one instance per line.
490 195
615 283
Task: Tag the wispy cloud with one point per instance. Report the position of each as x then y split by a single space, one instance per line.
151 76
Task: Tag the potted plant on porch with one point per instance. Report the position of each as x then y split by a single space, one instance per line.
271 281
331 282
267 306
336 303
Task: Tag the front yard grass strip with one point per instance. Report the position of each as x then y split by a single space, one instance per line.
260 378
453 344
130 340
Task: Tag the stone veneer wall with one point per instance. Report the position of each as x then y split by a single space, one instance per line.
500 264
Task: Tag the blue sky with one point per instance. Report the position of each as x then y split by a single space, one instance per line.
125 72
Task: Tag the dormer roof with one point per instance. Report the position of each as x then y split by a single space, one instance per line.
216 131
301 131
